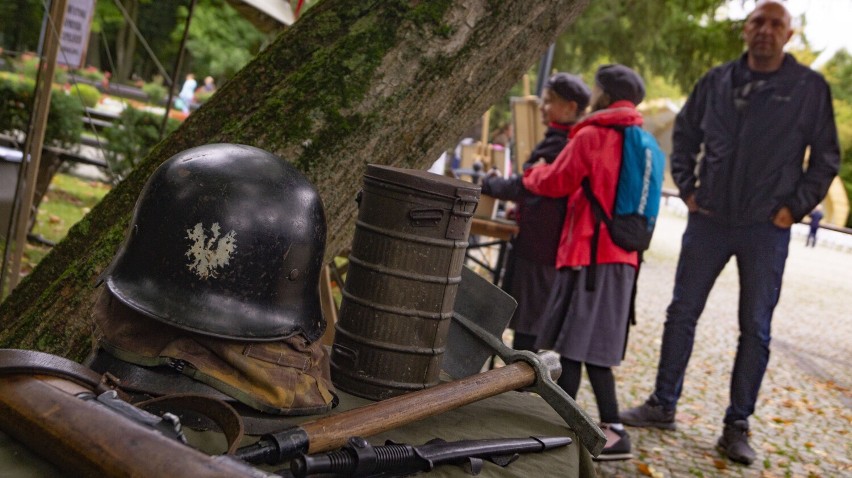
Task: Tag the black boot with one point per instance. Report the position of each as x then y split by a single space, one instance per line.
734 443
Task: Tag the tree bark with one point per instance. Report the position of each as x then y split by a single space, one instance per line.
352 82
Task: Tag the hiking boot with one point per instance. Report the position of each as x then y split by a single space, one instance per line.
649 414
617 444
734 443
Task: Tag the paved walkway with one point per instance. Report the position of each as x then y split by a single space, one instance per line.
803 423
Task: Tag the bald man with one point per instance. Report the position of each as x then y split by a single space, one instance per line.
738 161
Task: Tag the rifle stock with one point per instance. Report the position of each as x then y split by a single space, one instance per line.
89 439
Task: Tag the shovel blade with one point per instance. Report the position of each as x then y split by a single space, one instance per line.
489 307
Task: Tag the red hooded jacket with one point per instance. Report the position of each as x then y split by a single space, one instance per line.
594 151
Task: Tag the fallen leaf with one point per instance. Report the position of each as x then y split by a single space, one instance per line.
644 469
783 421
720 464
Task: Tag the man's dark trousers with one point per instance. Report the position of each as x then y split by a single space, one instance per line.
761 251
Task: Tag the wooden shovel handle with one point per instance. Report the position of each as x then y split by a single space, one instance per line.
332 432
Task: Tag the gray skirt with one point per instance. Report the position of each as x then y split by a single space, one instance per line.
585 326
531 284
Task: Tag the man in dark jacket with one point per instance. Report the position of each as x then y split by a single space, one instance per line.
746 125
531 268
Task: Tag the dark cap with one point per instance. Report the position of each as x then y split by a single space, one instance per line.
570 88
620 83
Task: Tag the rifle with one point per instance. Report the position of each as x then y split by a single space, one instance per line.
360 459
60 420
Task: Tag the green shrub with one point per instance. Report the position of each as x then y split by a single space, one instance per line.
91 73
16 101
27 65
156 92
89 94
130 138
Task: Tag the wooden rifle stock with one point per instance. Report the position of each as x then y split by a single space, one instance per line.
92 440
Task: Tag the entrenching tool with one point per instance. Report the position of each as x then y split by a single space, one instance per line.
476 296
475 335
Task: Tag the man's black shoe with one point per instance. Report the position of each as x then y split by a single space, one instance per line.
649 414
734 443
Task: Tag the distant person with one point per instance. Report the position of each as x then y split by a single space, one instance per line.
187 92
816 216
590 326
750 121
209 85
531 265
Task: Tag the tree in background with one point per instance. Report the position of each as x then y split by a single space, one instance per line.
671 43
20 24
220 41
838 72
678 41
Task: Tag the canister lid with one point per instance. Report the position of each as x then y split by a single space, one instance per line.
421 180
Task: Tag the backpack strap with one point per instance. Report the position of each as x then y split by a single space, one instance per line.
600 216
597 209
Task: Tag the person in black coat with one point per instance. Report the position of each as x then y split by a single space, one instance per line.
739 161
531 267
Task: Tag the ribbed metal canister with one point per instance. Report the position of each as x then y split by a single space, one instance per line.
404 270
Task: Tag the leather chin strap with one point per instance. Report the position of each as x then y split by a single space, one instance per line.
30 362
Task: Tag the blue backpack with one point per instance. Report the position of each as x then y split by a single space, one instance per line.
637 197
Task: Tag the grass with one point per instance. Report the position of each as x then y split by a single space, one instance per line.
67 200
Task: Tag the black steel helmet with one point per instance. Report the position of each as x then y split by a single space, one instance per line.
226 240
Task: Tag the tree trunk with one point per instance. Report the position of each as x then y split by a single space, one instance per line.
125 44
353 82
47 169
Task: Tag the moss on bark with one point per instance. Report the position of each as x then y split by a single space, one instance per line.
352 82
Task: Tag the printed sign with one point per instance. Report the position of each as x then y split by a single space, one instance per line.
75 33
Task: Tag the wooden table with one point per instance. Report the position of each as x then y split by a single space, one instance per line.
502 230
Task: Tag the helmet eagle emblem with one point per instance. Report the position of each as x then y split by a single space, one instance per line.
209 255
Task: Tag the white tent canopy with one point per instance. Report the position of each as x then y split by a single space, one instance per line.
266 15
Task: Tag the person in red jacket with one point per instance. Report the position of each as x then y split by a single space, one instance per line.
530 269
590 327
